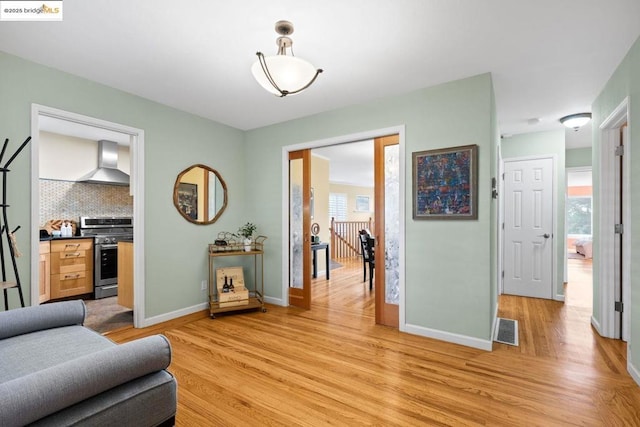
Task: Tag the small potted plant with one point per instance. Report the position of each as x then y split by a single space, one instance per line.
247 231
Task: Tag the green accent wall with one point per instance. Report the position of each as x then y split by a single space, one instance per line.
440 295
625 82
545 143
578 157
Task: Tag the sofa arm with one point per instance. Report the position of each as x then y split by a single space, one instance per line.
34 396
30 319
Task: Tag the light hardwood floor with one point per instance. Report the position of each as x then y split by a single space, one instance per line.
333 365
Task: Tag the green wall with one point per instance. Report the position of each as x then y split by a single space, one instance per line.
625 82
543 143
578 157
440 295
175 259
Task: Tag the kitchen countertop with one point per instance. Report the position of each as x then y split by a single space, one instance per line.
44 239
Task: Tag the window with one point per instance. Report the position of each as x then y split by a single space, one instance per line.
579 215
338 206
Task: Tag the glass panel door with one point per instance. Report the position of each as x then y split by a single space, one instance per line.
299 229
387 229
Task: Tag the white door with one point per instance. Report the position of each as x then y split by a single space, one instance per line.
528 228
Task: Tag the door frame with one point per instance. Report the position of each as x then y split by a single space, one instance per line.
137 191
604 245
555 295
342 139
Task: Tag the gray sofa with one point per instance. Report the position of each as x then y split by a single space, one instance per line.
54 371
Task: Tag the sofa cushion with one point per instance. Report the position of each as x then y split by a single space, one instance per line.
40 317
146 401
24 354
33 396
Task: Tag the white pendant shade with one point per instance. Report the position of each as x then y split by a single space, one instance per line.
289 73
575 121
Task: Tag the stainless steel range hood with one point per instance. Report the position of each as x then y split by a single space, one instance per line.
107 171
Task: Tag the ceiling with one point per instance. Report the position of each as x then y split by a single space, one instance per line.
548 58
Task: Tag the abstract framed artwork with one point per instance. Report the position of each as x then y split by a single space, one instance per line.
445 183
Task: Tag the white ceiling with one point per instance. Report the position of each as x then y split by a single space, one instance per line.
548 58
350 164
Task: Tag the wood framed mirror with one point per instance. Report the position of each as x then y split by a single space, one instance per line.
200 194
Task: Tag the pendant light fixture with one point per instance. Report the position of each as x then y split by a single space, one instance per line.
575 121
284 74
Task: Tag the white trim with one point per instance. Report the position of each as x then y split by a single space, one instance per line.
596 325
360 136
500 241
165 317
494 323
554 220
137 187
633 371
609 138
275 301
465 340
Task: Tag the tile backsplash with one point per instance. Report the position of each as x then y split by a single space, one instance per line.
71 200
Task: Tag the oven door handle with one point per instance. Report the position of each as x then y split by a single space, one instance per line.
109 246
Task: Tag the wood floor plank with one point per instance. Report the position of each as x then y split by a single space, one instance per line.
332 365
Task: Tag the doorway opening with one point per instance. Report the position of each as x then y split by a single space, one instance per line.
344 142
579 233
135 137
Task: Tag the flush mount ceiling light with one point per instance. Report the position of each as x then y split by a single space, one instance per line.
284 74
575 121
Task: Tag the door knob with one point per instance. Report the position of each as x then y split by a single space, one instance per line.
545 235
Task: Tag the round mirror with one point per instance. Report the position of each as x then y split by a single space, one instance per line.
200 194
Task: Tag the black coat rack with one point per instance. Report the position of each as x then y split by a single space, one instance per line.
4 230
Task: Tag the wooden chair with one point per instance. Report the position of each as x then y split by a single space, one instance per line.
368 256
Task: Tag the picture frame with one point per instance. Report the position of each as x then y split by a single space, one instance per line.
445 183
188 199
362 204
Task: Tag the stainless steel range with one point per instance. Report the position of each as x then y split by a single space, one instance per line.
106 233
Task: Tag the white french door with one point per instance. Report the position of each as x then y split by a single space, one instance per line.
528 228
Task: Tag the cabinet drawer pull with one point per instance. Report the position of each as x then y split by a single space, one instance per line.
72 276
73 255
72 245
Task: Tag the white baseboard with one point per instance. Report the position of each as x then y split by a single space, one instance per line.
494 324
275 301
596 325
173 314
473 342
559 297
635 374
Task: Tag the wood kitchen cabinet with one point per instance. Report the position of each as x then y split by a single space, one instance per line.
45 273
71 267
125 274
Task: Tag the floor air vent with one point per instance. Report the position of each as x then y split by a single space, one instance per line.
506 331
